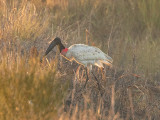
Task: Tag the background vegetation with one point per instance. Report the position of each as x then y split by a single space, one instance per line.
129 31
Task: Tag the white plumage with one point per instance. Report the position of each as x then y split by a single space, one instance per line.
88 55
82 54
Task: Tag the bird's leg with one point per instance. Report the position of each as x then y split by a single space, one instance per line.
97 83
86 78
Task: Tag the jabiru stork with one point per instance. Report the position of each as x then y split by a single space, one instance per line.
82 54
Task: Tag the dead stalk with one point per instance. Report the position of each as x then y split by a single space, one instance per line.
131 103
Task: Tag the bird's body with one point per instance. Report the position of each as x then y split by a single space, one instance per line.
87 55
82 54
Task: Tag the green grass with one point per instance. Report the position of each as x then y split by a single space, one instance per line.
127 30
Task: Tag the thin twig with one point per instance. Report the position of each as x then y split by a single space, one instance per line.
131 103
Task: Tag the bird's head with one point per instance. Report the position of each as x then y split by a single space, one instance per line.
56 41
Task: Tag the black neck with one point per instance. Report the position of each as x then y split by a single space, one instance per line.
56 41
61 46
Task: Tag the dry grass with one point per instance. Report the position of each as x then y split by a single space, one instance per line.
127 30
29 89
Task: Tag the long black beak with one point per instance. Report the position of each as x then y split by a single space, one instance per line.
51 46
56 41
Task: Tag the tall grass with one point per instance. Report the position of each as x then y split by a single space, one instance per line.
29 89
127 30
21 21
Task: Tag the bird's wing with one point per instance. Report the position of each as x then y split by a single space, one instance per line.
82 52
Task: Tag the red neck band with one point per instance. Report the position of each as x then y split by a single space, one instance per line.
64 51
